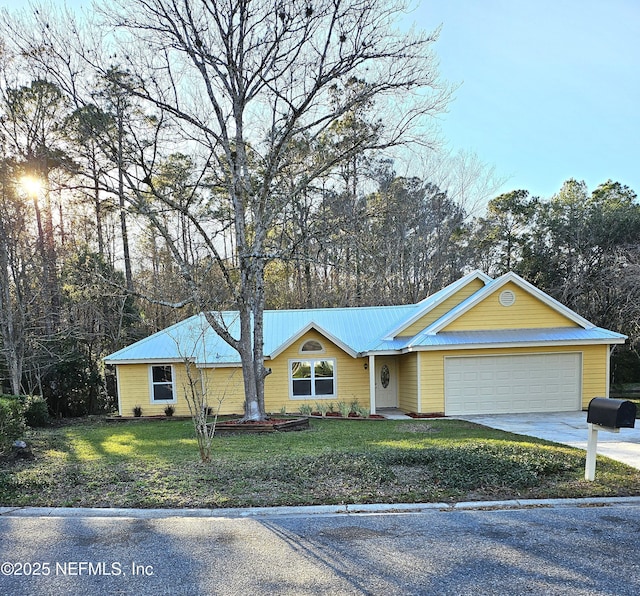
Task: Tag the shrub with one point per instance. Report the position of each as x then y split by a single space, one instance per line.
12 423
36 411
305 410
343 408
168 411
322 408
364 412
137 411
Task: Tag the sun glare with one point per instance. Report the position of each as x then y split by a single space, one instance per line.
31 184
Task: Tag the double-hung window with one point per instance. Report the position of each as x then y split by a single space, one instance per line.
162 387
311 377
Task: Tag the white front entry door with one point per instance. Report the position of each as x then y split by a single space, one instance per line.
386 383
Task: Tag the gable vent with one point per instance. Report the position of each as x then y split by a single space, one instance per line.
507 298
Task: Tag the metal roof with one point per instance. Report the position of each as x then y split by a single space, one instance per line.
358 331
511 337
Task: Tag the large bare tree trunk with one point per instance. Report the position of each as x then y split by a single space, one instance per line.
241 82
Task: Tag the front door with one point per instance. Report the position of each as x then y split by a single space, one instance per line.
386 383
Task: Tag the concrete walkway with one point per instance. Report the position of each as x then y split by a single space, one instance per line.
569 428
392 414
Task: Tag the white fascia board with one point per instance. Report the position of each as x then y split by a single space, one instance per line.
446 293
147 361
381 353
219 364
308 327
493 287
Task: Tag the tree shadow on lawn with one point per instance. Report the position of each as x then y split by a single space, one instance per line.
134 466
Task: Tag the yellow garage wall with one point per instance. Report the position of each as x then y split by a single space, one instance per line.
352 379
527 312
433 315
408 382
594 371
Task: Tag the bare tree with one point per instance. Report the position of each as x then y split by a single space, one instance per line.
241 81
13 249
244 79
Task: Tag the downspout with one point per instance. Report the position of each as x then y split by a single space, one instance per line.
118 390
372 383
612 347
418 385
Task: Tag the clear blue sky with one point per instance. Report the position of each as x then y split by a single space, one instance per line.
550 89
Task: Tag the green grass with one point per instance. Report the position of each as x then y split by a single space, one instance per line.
156 464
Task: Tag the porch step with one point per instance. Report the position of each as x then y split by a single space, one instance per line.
392 414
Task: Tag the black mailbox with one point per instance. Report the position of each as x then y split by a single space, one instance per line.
612 413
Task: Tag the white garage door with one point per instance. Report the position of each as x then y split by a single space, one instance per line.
513 384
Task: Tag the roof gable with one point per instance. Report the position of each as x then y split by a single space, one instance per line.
532 308
304 330
445 299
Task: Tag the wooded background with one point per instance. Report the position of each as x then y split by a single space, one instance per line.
97 227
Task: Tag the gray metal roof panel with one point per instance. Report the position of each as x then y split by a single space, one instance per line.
516 336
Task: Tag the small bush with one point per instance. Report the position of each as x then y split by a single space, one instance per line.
12 423
168 411
322 408
364 412
305 410
36 411
343 408
137 411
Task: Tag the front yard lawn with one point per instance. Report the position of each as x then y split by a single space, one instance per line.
156 464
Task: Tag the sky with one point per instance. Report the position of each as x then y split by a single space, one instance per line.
548 89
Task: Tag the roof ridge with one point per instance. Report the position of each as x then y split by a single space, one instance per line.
337 308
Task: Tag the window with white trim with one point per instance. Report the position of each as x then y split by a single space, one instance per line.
162 386
312 378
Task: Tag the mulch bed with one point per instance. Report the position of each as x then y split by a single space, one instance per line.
338 416
266 426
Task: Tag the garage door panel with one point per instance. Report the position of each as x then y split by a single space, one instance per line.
513 384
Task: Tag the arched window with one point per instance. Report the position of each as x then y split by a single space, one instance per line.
311 346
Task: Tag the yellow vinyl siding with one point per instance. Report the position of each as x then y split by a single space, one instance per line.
432 382
226 384
526 313
351 377
134 389
225 389
441 309
408 383
594 371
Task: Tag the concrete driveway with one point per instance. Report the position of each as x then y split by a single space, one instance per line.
569 428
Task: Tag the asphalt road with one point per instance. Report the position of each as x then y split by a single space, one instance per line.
588 548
